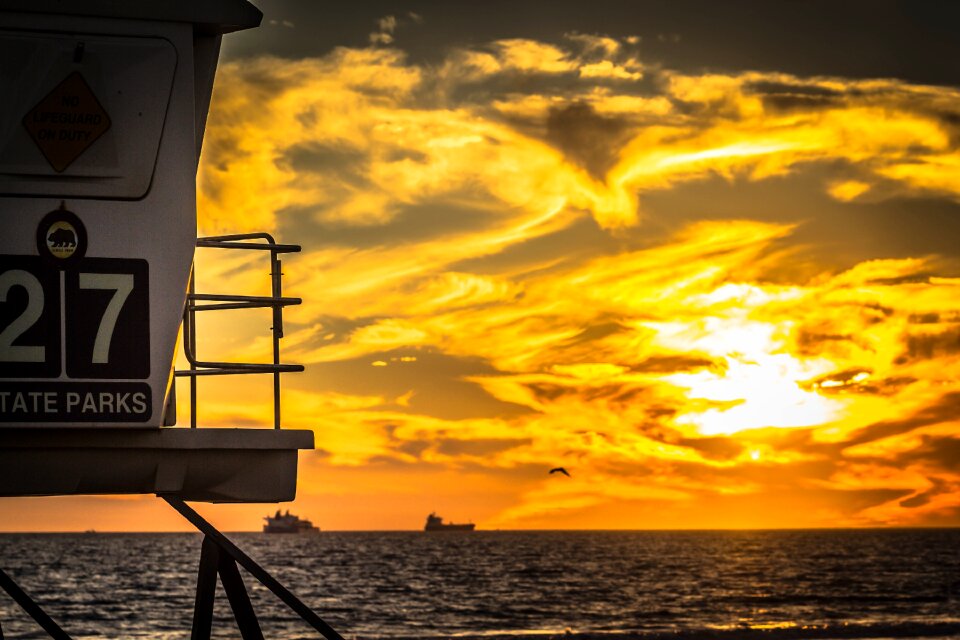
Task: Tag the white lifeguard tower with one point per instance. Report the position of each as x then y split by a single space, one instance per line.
101 127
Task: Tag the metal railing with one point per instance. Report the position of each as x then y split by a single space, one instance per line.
220 302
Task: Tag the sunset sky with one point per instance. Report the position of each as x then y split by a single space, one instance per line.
704 255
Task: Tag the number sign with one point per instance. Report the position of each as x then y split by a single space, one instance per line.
101 334
107 319
29 318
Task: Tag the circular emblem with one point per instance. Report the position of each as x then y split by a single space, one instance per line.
61 238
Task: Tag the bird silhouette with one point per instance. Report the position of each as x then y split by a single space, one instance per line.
560 470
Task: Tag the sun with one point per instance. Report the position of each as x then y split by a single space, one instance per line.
757 383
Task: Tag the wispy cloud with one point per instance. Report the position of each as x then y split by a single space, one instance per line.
488 210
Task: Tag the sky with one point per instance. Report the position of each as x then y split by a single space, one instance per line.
705 256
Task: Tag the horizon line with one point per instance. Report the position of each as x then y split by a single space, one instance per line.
91 531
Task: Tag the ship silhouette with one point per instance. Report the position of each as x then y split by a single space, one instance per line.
288 523
436 523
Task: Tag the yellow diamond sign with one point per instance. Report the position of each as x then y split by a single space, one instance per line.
66 122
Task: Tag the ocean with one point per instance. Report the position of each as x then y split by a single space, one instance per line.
616 585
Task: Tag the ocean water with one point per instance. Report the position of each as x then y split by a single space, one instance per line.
596 584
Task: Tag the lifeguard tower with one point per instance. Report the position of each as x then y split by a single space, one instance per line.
101 128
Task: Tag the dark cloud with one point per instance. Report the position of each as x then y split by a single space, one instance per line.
660 411
924 318
400 154
885 386
345 163
614 393
941 453
589 139
219 152
789 102
551 392
859 38
707 112
410 223
566 87
788 97
598 332
910 278
923 498
949 120
769 88
718 448
664 364
413 448
677 364
508 82
934 345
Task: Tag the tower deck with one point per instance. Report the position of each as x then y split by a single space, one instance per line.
208 465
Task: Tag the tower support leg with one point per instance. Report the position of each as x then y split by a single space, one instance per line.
32 608
206 590
227 548
239 599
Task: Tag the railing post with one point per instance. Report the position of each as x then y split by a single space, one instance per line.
191 320
277 334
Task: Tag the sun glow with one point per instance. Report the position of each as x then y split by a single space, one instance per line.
754 394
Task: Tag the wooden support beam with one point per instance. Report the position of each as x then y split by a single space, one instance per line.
206 590
32 608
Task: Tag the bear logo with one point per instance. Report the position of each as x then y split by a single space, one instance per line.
62 238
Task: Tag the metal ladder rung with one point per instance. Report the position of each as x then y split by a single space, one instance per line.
236 368
275 248
227 301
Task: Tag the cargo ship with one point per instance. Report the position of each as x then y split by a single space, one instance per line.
288 523
436 523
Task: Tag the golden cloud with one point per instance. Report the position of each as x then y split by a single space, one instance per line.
669 375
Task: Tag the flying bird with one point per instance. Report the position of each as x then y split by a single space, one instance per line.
560 470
